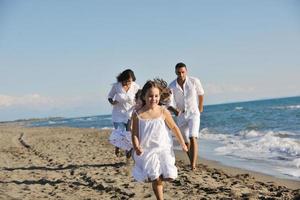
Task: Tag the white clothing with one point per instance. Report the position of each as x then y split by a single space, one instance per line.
122 111
187 99
121 139
158 157
189 127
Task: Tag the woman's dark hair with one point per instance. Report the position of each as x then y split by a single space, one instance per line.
138 94
126 75
164 91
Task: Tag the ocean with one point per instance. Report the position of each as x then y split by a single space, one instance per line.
261 136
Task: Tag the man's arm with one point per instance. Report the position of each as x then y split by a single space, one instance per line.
200 106
171 104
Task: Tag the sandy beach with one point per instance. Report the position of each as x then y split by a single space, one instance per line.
73 163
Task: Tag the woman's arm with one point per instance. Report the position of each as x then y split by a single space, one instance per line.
174 128
112 102
135 134
111 95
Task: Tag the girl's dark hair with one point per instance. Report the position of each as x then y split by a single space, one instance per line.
149 84
126 75
162 85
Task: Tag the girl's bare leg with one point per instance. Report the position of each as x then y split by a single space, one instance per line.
157 186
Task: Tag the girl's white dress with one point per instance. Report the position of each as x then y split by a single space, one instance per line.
158 157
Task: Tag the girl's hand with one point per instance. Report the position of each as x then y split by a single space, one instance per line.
184 148
138 151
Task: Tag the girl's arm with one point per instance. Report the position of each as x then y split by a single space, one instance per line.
135 134
174 128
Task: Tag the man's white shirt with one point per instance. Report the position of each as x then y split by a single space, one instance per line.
186 99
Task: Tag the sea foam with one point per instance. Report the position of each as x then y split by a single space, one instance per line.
257 145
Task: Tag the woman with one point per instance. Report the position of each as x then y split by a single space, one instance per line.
121 97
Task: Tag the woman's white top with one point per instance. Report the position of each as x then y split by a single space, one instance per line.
122 111
158 157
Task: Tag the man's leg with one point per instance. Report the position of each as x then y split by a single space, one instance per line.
193 152
185 134
194 124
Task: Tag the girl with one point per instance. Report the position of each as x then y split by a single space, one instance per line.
152 142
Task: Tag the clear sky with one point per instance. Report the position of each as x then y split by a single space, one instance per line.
59 57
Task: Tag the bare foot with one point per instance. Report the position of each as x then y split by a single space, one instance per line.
193 168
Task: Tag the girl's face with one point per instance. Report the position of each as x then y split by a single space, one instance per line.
152 97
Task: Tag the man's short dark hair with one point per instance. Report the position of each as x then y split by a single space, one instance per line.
179 65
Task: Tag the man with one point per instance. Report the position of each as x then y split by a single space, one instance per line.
187 104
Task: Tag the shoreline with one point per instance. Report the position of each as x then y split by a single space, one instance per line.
79 163
233 171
